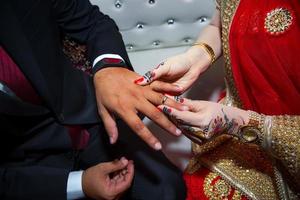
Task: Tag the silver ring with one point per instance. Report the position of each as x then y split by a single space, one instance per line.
164 100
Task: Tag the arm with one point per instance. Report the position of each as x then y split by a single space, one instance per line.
33 182
105 180
211 36
115 91
278 135
84 22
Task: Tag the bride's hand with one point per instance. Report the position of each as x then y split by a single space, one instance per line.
211 118
177 73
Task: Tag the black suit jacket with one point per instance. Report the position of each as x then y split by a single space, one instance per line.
31 33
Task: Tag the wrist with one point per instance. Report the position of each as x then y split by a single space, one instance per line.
252 130
198 58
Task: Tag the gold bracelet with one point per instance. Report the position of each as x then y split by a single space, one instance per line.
208 49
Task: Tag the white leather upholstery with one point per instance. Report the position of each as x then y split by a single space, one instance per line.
154 30
158 23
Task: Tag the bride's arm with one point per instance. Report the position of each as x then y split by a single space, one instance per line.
280 136
210 35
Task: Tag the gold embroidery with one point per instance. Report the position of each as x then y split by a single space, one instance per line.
215 188
278 21
77 54
242 165
228 9
218 3
285 143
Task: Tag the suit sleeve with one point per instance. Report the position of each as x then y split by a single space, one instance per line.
33 182
84 22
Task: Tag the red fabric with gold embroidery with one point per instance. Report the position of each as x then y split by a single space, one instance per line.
195 183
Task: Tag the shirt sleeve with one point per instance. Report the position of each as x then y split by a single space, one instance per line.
74 186
107 60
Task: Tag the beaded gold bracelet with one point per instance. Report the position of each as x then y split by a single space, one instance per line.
208 49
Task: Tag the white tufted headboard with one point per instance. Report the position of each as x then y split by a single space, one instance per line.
154 30
148 24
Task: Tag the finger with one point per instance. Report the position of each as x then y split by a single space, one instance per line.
109 124
116 165
164 87
158 99
150 76
193 106
178 99
135 123
158 117
130 171
146 79
126 182
185 117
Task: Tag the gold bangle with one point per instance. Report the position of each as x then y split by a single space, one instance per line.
208 49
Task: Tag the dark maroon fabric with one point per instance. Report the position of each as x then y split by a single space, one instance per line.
79 136
12 76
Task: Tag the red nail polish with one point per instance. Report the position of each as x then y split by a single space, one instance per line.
169 110
159 109
181 100
139 80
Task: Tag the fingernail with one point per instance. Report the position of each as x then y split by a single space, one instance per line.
139 80
148 76
157 146
178 132
124 161
166 110
159 109
181 100
111 140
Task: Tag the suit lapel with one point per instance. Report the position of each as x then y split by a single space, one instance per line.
16 44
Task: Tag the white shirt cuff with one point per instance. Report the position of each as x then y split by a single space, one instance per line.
74 186
101 57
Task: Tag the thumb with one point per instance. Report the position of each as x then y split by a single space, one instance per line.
116 165
150 76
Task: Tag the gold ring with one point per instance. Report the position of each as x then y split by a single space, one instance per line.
164 100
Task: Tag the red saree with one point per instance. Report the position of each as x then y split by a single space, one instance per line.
264 67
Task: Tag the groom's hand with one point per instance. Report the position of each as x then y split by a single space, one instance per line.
117 94
108 180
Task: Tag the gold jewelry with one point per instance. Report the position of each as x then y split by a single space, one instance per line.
164 99
208 49
278 21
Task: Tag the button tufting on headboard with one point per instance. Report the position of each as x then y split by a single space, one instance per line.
148 24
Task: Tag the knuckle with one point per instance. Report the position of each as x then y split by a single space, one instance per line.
156 116
138 126
160 97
